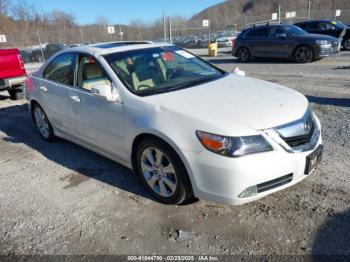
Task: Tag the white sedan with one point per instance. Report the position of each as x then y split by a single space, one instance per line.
186 127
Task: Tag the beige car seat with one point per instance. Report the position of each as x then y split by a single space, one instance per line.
144 76
93 75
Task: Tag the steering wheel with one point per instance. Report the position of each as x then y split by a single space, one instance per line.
174 71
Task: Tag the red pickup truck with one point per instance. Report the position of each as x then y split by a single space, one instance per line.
12 72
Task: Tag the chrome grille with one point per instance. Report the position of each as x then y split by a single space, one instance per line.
300 135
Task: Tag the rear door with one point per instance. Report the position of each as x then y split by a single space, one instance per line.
257 40
53 89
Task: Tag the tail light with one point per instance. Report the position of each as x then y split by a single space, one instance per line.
233 42
21 63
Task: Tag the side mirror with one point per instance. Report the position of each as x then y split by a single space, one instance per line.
105 91
282 36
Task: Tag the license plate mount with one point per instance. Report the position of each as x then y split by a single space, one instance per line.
313 160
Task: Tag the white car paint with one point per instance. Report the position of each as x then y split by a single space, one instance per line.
231 106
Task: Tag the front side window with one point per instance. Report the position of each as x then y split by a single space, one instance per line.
326 26
61 69
160 69
90 73
276 31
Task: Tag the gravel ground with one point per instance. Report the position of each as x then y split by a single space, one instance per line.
63 199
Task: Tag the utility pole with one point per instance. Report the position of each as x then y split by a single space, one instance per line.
41 48
170 33
164 25
279 13
309 11
120 33
81 36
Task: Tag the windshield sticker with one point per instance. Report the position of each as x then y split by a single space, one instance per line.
334 22
168 56
184 54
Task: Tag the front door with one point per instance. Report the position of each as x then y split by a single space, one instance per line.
98 123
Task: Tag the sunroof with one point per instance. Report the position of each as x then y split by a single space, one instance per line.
118 44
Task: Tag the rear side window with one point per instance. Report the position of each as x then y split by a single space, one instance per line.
61 69
258 32
309 26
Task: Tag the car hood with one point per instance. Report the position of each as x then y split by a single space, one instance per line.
235 100
318 37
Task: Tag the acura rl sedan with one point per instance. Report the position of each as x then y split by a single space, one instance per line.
187 128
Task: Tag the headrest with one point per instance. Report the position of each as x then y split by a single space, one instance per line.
91 71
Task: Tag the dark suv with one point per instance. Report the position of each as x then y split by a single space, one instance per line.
283 41
328 27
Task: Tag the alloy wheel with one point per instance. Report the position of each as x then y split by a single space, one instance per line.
347 44
158 172
42 122
243 54
303 54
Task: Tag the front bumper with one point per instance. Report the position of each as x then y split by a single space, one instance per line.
327 50
223 179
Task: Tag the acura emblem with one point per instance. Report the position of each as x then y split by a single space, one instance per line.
306 126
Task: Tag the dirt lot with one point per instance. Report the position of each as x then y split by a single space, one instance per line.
63 199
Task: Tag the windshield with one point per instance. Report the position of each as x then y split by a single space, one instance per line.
294 30
340 24
160 69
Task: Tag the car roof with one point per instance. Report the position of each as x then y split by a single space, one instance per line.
313 21
115 47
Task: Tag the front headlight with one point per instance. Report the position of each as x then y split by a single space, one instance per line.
322 42
233 146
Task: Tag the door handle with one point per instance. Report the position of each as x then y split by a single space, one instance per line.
43 89
75 99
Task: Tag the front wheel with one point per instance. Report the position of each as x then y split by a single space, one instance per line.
346 44
163 172
303 54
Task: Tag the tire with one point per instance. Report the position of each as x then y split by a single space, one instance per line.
16 94
163 172
346 44
303 54
42 123
243 55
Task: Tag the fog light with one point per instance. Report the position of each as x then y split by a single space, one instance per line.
249 192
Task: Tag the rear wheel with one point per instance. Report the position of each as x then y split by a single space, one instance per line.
346 44
303 54
163 172
16 94
42 123
243 54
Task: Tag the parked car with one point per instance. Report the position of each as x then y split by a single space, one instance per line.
186 127
328 27
283 41
51 49
12 72
224 39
